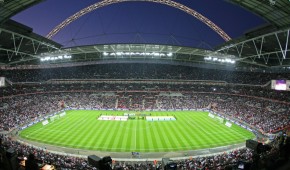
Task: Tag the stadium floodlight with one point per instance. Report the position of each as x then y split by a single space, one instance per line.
152 54
53 58
155 54
222 59
67 56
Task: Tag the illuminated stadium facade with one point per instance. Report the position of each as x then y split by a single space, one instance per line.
228 83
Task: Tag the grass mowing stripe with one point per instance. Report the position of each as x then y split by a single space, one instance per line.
141 138
75 139
180 135
161 136
124 138
118 135
191 130
93 135
203 132
144 138
110 135
168 135
102 127
108 130
130 141
153 137
211 136
168 128
134 136
87 139
138 134
219 138
189 127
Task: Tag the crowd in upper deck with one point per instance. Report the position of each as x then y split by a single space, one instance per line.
140 71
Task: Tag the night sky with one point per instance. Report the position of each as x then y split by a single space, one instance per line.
139 22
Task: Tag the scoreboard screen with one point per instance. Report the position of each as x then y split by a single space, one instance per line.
2 81
280 85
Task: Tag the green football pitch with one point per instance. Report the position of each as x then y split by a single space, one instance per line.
82 130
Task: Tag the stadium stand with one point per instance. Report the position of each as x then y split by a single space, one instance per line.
256 105
141 71
243 96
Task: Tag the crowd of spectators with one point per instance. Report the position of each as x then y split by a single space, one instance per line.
68 162
140 71
231 159
256 91
266 115
44 157
258 106
219 161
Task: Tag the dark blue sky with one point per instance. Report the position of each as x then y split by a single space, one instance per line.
139 22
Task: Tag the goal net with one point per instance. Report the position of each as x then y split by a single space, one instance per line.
53 118
219 119
216 118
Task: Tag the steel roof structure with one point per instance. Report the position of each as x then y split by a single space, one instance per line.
268 50
265 47
137 51
276 12
8 8
19 44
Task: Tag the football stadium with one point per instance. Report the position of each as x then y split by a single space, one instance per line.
144 85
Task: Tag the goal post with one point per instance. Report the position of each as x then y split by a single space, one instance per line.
45 122
216 118
219 119
62 114
53 118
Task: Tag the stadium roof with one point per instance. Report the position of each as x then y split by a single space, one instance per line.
262 47
276 12
268 45
9 8
267 50
18 43
137 52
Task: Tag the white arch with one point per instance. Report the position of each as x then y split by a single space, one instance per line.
171 3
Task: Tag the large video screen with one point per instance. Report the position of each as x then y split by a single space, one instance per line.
280 85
